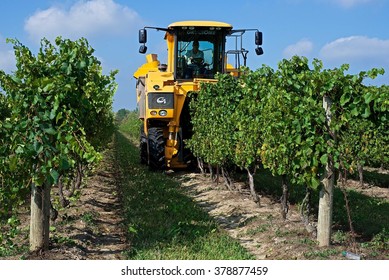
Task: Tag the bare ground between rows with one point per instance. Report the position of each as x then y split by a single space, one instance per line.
91 228
261 230
241 217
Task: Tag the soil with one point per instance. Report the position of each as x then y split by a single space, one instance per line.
92 226
255 227
261 230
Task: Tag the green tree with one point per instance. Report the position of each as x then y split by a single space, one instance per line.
121 115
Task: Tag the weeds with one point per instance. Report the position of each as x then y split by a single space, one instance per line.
259 229
89 218
9 235
324 254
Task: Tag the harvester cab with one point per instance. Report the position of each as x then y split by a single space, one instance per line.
196 52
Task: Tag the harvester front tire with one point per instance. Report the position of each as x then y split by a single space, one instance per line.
143 146
156 149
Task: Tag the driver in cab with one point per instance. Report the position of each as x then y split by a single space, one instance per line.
195 54
195 59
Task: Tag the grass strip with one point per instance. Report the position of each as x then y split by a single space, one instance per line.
162 222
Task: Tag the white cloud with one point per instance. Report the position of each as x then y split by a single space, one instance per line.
357 49
303 47
84 18
7 57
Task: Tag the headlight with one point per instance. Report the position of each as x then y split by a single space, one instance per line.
153 113
163 113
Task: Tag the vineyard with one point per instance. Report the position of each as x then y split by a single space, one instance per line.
293 150
305 124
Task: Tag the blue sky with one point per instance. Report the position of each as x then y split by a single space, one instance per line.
335 31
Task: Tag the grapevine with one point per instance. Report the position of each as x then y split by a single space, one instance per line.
277 118
59 115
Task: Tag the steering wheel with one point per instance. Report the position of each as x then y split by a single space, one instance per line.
197 61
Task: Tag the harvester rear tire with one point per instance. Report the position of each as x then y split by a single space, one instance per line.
156 149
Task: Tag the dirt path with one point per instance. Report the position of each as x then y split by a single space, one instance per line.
260 230
92 227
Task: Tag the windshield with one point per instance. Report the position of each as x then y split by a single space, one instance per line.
199 53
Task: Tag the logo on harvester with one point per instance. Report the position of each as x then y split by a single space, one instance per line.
161 100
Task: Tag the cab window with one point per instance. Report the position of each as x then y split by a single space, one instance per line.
198 53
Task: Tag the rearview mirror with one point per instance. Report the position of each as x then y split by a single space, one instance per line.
142 36
142 49
259 51
258 38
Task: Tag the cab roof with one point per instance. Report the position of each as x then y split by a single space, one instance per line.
200 23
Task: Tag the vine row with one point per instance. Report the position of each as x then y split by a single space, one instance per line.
55 117
277 118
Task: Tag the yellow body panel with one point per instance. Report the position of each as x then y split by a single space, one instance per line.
171 49
162 80
201 23
150 66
